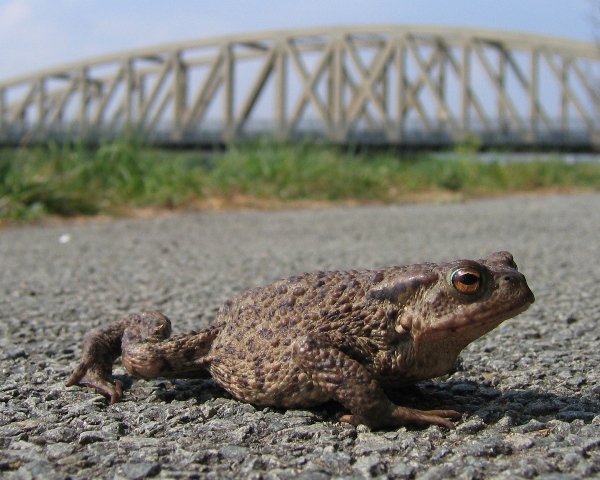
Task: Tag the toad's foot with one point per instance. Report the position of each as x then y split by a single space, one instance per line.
408 416
96 376
103 345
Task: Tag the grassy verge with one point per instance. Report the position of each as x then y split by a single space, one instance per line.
119 177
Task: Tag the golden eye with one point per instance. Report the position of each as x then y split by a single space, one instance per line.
466 280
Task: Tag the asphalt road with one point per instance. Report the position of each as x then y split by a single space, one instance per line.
529 390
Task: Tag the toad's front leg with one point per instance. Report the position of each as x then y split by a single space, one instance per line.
351 384
146 349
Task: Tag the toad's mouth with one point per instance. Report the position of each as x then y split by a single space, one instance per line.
475 325
516 311
490 321
519 304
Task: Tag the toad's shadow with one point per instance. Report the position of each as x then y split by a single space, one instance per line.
491 405
465 396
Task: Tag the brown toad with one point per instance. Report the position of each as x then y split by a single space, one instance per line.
318 336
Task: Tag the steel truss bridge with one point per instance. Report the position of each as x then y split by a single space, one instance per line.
415 86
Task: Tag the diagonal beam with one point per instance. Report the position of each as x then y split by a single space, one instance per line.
495 80
412 91
530 85
366 92
468 94
19 114
101 109
254 92
152 96
419 84
60 103
205 93
308 82
568 91
591 90
343 79
441 104
362 69
366 115
159 111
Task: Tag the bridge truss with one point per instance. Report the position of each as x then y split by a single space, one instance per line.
396 85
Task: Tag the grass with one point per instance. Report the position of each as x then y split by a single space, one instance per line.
124 176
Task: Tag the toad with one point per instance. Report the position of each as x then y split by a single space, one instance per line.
341 335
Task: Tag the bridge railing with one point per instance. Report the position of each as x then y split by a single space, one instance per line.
402 85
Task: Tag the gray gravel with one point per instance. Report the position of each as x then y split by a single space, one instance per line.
529 390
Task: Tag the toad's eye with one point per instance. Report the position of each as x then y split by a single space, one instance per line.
466 280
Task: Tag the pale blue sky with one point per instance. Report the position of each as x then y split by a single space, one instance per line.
36 34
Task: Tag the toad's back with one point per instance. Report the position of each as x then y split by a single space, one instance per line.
252 355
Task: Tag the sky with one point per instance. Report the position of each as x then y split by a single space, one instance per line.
40 34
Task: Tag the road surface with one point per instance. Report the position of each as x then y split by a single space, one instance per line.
529 390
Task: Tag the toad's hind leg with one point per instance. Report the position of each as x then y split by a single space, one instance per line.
350 383
146 349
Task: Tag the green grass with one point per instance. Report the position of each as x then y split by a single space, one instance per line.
119 177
